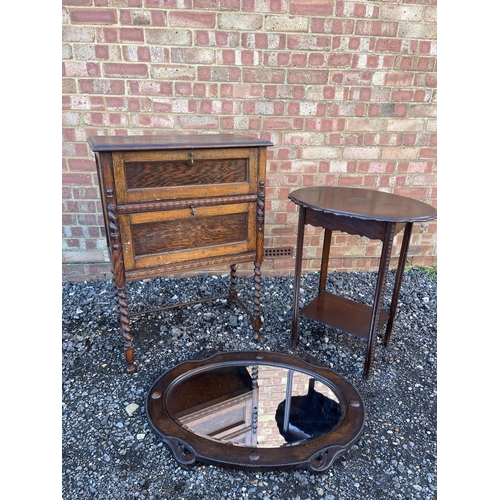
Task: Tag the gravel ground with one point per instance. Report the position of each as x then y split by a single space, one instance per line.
109 454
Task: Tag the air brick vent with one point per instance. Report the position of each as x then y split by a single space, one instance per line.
278 253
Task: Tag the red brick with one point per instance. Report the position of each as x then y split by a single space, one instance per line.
359 10
107 35
425 180
312 7
86 193
426 47
72 179
410 192
308 42
131 34
161 3
398 79
158 18
282 123
324 124
192 19
240 91
344 180
93 16
80 69
69 134
143 120
216 39
401 110
281 59
430 81
125 17
254 75
312 77
263 41
101 86
388 45
299 60
102 52
74 149
106 119
125 70
425 63
405 63
428 153
402 95
219 74
339 60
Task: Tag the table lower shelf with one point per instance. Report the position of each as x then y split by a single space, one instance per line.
343 314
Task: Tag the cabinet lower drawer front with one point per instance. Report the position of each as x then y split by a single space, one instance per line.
159 238
167 175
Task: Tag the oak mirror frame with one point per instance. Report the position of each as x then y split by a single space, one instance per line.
255 410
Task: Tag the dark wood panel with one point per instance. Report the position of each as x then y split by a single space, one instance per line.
344 314
174 141
178 174
153 174
370 229
363 204
194 232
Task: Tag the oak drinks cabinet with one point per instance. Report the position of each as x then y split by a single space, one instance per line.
179 203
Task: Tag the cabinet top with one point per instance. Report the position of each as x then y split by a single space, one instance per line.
187 141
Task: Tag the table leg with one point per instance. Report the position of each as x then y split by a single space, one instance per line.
259 257
120 282
124 323
298 270
327 240
399 278
257 319
379 297
233 291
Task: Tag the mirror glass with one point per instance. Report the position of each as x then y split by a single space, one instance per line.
255 405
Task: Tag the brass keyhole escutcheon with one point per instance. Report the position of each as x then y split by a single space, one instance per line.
191 156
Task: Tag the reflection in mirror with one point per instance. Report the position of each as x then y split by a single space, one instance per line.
259 405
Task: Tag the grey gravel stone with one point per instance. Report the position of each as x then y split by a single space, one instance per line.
131 408
108 453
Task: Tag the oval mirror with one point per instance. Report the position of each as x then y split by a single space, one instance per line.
255 410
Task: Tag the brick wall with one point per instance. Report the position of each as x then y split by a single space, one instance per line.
346 91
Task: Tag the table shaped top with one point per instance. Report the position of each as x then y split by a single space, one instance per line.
174 141
363 204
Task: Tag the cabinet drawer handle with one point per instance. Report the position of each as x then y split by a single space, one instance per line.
191 155
193 212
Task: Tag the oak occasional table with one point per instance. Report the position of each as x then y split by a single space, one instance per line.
178 203
363 212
